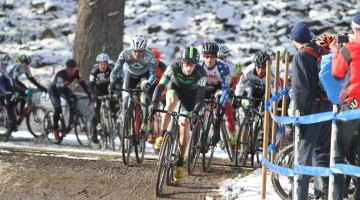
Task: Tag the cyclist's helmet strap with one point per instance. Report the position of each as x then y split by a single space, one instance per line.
210 48
260 58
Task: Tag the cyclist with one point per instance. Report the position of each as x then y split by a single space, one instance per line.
59 88
6 91
253 83
18 69
187 82
139 64
160 69
99 81
235 74
217 81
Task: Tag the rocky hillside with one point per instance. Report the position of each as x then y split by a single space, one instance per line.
45 28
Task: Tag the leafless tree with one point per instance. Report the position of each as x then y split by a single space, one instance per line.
99 28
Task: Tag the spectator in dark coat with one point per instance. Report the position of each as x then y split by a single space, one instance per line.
309 99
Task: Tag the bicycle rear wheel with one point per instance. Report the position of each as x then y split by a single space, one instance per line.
4 123
48 127
207 147
82 130
126 140
34 119
163 164
194 148
242 154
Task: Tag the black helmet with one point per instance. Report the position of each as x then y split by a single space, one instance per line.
25 59
190 54
260 58
71 63
210 48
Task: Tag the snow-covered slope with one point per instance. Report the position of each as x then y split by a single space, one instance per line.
45 28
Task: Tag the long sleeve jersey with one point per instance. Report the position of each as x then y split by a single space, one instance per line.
136 67
195 81
16 71
61 80
216 75
250 80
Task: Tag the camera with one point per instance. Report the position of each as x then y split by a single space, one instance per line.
342 38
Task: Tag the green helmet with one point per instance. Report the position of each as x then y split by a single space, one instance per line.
190 54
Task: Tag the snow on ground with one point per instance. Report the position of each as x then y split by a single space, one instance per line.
245 26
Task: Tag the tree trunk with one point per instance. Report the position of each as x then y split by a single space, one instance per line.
99 29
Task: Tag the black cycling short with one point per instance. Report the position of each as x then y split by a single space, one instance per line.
131 80
187 97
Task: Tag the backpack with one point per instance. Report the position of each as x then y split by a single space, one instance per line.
331 86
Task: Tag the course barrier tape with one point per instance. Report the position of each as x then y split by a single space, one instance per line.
312 171
309 119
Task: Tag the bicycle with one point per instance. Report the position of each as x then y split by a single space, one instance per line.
168 156
132 136
107 127
195 145
76 121
252 126
32 113
207 148
282 184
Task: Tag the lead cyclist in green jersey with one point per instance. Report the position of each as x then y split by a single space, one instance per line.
188 81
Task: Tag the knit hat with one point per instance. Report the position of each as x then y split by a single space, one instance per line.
301 33
356 21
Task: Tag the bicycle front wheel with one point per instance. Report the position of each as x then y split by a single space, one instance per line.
226 140
163 163
242 143
82 130
126 139
34 119
194 148
141 137
282 184
207 147
4 123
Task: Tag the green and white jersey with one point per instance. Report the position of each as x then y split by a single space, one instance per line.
175 74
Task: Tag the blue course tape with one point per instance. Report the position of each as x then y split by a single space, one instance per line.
281 131
349 114
313 171
346 169
277 169
272 148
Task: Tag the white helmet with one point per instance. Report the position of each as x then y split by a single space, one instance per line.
223 51
138 43
102 57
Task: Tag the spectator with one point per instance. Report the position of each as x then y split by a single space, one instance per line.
346 62
309 99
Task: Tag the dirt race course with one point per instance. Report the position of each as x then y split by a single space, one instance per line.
39 176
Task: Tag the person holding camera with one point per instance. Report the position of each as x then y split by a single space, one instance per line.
309 98
346 63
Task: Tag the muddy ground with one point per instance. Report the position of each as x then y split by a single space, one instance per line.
30 176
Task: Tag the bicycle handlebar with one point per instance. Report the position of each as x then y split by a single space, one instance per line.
249 98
